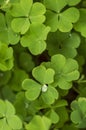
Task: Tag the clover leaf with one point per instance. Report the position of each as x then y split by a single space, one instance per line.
4 77
38 122
80 26
17 78
8 119
6 57
26 62
46 76
51 114
7 93
73 2
66 70
32 40
56 6
63 43
41 88
58 19
6 31
60 112
25 13
20 102
78 114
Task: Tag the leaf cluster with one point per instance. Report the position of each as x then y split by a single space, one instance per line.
42 64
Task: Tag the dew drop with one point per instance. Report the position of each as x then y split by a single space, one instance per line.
44 88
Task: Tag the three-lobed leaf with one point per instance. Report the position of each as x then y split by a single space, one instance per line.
38 122
66 70
25 13
78 114
58 19
43 75
8 118
63 43
32 40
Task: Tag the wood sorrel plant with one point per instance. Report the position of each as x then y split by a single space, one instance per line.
42 64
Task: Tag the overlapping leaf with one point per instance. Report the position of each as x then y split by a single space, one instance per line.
60 20
25 13
4 77
8 119
6 33
63 43
26 62
35 38
33 89
17 78
6 57
51 114
38 122
81 24
78 115
66 70
73 2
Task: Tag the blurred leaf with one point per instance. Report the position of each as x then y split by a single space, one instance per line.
78 114
38 122
81 24
63 43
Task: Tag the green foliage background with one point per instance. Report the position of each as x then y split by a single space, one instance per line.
42 64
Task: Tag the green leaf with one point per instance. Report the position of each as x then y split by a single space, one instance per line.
27 13
62 111
7 35
53 116
37 16
26 62
66 70
4 77
60 20
80 26
50 95
63 43
21 9
43 75
32 40
75 117
20 25
2 22
38 122
4 125
56 5
58 62
14 122
26 6
82 104
6 31
6 57
18 76
72 14
52 20
78 114
73 2
9 109
8 119
2 108
32 87
60 103
8 93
